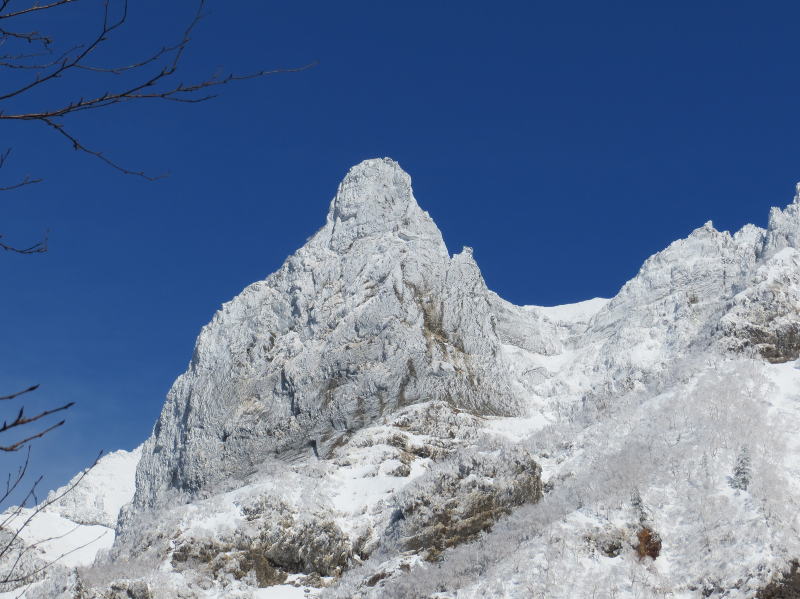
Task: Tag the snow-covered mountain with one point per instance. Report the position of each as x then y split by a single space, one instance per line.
70 526
372 421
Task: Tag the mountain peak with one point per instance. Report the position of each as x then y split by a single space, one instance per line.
373 187
373 199
782 230
370 316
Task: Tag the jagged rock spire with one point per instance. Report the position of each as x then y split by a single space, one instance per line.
370 315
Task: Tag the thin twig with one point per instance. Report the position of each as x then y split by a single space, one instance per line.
153 85
18 393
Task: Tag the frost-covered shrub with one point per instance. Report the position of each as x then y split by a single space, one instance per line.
60 583
464 496
740 479
438 419
20 564
130 577
307 542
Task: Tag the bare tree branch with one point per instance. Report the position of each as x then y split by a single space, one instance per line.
157 84
47 564
70 62
17 394
35 8
28 180
13 482
39 247
39 435
77 145
152 77
22 420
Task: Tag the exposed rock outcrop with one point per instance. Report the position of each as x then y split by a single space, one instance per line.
372 410
372 314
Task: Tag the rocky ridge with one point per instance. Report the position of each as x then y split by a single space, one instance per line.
372 409
371 315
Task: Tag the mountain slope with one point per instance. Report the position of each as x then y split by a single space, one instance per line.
372 421
72 525
370 315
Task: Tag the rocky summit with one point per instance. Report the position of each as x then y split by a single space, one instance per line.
372 421
371 315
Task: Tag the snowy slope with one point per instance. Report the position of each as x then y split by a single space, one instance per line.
372 421
102 493
370 315
74 522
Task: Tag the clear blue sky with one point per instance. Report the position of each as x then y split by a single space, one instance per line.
564 141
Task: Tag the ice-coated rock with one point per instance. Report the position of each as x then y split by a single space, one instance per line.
783 229
370 315
371 405
766 315
373 314
671 305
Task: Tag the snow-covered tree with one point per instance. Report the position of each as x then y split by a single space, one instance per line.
740 479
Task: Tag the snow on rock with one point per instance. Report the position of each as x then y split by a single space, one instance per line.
580 312
783 229
372 421
370 315
766 315
386 489
98 498
72 524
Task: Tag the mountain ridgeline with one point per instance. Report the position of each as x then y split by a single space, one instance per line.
372 314
372 421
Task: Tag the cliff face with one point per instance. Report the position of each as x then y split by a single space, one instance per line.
371 421
371 315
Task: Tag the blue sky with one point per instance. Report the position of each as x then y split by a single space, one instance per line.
565 142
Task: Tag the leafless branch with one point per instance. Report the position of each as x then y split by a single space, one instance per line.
17 394
47 564
37 248
70 62
148 85
77 145
22 420
26 36
13 482
39 435
35 8
28 180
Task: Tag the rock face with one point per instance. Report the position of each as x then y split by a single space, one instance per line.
766 315
783 229
370 315
464 496
373 314
370 421
671 305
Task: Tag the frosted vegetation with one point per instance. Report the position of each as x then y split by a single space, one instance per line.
372 421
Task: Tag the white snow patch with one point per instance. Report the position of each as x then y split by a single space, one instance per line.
577 312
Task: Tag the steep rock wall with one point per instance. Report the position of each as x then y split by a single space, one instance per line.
370 315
